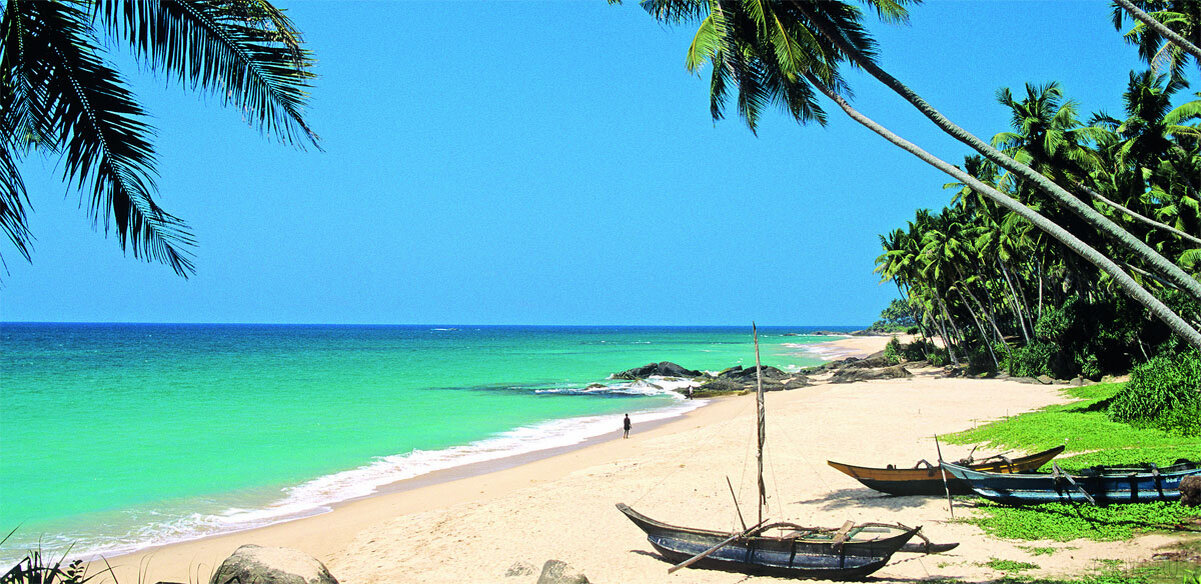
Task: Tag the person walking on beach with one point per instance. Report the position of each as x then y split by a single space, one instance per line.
625 424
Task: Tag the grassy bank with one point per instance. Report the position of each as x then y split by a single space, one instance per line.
1091 438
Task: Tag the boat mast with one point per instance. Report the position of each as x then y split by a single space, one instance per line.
761 421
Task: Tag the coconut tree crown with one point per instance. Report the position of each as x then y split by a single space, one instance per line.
61 96
772 49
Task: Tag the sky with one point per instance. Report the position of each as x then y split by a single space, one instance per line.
548 162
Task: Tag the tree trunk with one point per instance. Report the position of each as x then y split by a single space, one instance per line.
947 317
1140 218
1160 28
979 327
1085 211
1017 304
1121 278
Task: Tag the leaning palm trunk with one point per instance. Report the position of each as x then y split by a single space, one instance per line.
1014 300
1160 264
1140 218
1159 27
1176 324
979 328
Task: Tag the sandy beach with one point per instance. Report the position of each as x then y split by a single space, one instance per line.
476 528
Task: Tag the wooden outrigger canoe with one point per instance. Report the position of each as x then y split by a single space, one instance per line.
1099 485
928 479
829 554
851 551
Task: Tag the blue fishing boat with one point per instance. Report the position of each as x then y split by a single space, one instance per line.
1099 485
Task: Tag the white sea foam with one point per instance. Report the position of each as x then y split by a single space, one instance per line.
319 495
823 350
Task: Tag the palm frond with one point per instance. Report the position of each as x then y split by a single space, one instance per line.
13 201
244 50
102 135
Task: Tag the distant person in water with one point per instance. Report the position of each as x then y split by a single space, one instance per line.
625 424
689 392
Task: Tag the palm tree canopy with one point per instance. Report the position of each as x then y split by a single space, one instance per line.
768 47
1180 16
60 95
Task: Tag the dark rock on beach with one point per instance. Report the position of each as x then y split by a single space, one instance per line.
871 361
558 572
1190 491
271 565
737 379
662 368
852 375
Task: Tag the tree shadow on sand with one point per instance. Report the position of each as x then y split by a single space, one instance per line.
863 497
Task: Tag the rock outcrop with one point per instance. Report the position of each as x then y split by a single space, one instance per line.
558 572
271 565
662 369
854 374
1190 491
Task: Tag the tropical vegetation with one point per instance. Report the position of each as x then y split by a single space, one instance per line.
1091 435
1001 294
60 96
787 53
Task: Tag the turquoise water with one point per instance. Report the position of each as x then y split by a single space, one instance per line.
114 437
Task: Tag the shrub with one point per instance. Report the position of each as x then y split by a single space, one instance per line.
1037 358
1163 392
893 352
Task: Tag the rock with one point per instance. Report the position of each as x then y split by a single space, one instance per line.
662 369
519 568
271 565
747 375
1190 491
1045 379
595 386
874 360
558 572
1023 379
720 384
1078 381
856 374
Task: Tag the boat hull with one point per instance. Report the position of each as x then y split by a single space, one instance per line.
929 481
1105 485
778 556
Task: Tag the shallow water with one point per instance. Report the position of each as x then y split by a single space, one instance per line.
119 436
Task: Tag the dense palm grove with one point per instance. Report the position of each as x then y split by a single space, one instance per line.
1003 296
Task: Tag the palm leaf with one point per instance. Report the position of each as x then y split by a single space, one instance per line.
101 132
246 51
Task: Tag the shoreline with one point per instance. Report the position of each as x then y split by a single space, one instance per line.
842 346
528 509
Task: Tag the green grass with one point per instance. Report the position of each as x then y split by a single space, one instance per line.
1009 565
1091 438
1064 522
1089 435
1039 551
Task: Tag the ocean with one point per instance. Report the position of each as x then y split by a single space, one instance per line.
116 437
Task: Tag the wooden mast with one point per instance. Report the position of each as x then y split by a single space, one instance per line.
761 420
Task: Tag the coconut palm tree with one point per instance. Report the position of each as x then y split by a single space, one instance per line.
1143 155
782 52
1167 36
1170 271
60 96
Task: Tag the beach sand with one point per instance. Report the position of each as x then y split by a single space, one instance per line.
455 528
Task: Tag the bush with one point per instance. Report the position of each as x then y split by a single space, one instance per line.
894 352
1037 358
1163 393
920 350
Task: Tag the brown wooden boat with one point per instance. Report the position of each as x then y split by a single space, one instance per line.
927 479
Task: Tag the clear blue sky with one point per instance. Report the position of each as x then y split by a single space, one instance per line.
547 163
